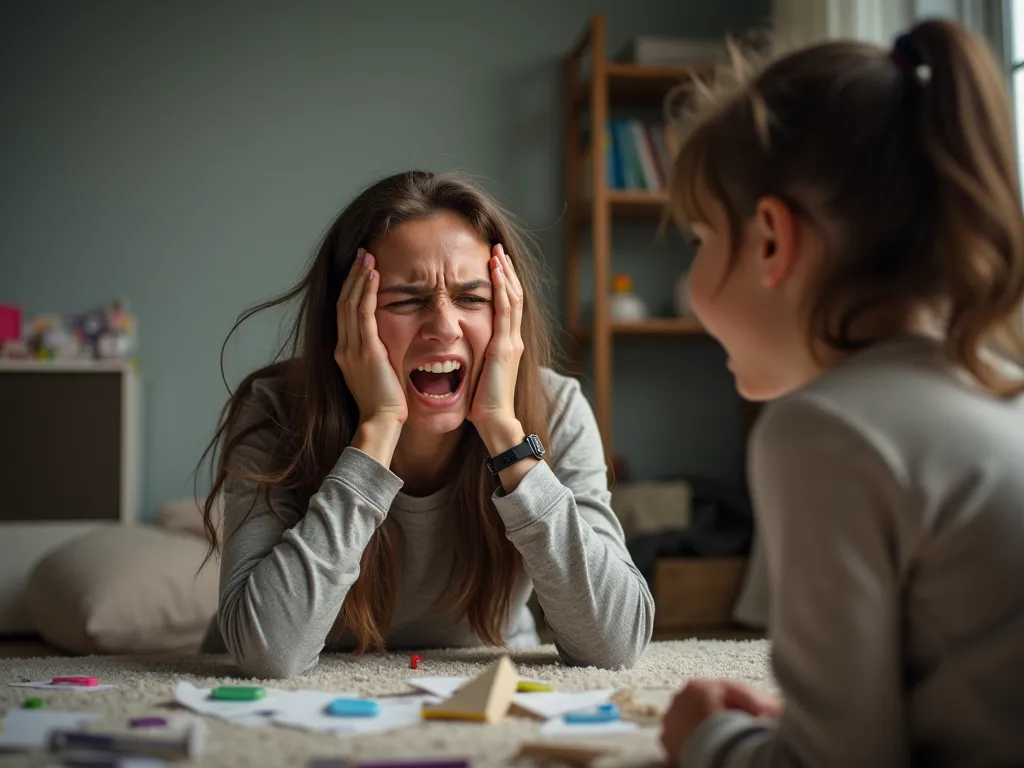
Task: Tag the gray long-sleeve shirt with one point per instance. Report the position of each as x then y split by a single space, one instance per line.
283 582
890 499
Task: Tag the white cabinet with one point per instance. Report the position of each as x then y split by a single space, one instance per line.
69 461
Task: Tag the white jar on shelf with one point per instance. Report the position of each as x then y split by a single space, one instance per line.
625 306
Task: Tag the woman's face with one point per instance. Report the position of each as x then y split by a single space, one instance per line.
434 315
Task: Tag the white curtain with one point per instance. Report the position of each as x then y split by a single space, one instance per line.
801 22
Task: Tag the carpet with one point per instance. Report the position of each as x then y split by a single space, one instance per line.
145 685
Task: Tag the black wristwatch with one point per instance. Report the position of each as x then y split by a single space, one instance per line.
531 446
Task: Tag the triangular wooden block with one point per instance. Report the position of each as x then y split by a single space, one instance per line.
486 698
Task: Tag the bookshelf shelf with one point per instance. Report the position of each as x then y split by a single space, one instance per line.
632 204
659 326
638 84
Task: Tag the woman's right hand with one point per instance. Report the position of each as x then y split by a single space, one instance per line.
361 354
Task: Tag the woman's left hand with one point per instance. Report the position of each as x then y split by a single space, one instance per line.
701 699
493 407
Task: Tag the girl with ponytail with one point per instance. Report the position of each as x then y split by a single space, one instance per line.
861 260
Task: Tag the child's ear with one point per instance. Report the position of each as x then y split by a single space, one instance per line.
775 226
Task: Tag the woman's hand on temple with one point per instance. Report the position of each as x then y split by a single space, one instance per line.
494 400
363 360
493 411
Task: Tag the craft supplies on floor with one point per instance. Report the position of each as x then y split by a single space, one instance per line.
27 729
52 685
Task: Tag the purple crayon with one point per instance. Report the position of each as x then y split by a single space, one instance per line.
341 762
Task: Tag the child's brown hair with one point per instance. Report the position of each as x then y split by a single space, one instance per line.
903 159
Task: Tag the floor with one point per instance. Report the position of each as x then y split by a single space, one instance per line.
26 647
31 646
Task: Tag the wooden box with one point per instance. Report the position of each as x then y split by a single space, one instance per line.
696 593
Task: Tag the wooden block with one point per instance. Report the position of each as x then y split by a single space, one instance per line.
567 754
696 592
486 698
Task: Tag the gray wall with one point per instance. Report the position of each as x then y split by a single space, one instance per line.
187 157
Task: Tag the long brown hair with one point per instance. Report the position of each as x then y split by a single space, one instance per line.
904 160
321 415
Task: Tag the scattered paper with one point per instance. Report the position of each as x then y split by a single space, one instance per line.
558 727
50 686
122 762
549 705
309 713
545 704
447 686
248 713
438 686
26 729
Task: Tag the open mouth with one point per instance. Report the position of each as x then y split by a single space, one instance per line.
438 381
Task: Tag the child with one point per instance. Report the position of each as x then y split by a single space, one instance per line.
861 260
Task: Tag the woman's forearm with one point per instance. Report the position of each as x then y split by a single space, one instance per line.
282 588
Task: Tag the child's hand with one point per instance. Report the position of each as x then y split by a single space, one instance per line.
699 700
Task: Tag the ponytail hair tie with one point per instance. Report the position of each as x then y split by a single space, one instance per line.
907 56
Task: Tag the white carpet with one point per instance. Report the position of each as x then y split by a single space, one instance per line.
145 686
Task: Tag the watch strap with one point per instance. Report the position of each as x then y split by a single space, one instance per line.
531 446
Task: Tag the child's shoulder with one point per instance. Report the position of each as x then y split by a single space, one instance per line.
903 400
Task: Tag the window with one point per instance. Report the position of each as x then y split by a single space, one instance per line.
1016 45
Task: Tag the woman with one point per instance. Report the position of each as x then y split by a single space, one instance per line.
361 509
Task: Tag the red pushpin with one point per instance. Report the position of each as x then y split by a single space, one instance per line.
414 663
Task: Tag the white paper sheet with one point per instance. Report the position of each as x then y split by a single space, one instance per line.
446 686
558 727
556 704
50 686
309 714
248 713
438 686
26 729
545 704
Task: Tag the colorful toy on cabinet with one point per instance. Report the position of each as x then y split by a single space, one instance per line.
107 333
100 334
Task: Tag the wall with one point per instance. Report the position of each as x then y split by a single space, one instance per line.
187 157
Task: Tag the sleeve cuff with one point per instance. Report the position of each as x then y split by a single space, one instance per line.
535 496
723 736
367 477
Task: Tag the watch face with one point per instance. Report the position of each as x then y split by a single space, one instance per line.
535 445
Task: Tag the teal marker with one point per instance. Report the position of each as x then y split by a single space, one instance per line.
606 713
353 708
238 693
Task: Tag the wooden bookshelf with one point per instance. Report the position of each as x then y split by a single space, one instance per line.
694 597
588 101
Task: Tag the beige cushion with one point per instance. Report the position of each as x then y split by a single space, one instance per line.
644 508
186 515
126 589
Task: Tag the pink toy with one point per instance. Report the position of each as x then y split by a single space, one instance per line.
10 323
